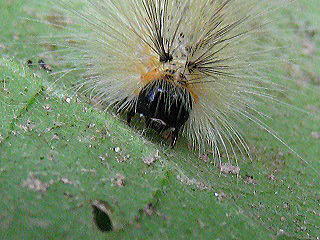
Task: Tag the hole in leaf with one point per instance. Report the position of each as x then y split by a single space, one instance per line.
101 215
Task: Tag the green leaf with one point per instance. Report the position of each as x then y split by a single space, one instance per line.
60 155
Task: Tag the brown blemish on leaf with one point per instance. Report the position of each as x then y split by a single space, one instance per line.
151 159
55 137
313 108
229 169
286 206
55 126
205 157
309 47
2 46
28 126
249 180
47 108
282 219
39 222
84 170
68 195
33 183
200 185
220 195
149 210
315 135
66 181
302 76
122 159
119 180
272 177
202 224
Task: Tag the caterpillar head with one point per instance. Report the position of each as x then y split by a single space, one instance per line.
165 105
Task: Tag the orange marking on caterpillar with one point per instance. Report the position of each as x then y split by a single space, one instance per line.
151 76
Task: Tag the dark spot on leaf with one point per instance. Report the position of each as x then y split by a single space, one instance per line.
29 63
44 66
272 177
249 180
68 195
149 210
101 215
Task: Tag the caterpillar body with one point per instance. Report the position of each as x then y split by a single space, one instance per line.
193 68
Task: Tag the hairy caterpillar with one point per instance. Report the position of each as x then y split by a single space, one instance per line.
194 68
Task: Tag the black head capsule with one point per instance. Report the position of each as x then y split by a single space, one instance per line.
164 106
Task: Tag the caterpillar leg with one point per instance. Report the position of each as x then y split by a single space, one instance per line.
130 115
174 137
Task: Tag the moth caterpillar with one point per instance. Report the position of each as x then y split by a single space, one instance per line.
194 67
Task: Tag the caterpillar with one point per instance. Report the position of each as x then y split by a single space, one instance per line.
194 68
